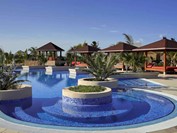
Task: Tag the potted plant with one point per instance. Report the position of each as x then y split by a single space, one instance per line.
10 87
101 66
87 95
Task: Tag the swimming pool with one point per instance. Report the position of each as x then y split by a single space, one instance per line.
128 108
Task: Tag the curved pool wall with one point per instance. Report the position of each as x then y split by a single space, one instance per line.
55 99
158 124
89 98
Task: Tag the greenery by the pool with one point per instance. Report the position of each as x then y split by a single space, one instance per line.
8 79
83 88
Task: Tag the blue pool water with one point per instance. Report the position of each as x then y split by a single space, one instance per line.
46 106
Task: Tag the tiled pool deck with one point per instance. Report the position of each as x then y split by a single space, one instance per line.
169 80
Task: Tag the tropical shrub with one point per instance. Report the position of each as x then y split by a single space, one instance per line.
134 60
100 65
8 79
2 57
171 58
33 55
42 59
19 57
9 58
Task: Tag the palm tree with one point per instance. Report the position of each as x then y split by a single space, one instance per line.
42 59
128 39
8 57
100 65
25 54
134 60
95 44
19 57
33 53
125 58
171 58
137 61
2 57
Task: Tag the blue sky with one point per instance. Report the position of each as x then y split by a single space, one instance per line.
32 23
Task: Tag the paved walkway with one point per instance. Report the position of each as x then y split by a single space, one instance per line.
169 80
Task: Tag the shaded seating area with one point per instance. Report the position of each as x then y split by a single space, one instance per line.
85 50
157 54
50 51
119 48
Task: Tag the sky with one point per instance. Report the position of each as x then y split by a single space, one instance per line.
33 23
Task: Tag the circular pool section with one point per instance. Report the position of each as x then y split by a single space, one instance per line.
130 108
127 108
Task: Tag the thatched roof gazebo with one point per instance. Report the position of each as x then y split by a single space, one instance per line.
50 49
85 49
119 47
164 45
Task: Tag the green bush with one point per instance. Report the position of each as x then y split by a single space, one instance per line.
100 65
8 78
83 88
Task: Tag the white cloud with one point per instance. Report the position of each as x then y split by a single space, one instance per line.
139 42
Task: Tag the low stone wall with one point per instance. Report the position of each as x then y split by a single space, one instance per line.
25 91
50 63
31 63
89 98
111 82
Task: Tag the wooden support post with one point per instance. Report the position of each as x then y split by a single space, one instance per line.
165 62
145 64
60 54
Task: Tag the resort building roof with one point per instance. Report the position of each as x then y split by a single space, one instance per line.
119 47
50 47
163 44
85 49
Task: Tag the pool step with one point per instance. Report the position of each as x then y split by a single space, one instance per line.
66 111
22 115
55 120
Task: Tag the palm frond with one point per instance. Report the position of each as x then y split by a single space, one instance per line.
100 65
128 39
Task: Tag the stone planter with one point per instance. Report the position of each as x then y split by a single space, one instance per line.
111 82
25 91
86 98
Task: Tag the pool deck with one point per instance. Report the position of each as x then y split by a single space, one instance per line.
169 80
